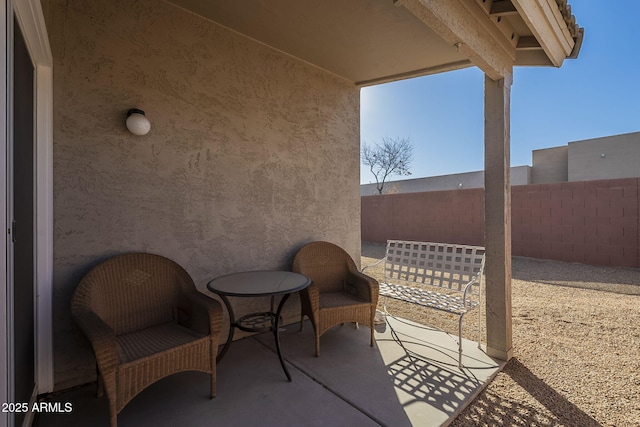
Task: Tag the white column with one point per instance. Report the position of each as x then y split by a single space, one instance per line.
497 217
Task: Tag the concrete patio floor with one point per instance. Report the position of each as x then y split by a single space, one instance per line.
350 384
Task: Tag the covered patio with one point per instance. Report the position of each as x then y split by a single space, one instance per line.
352 384
253 149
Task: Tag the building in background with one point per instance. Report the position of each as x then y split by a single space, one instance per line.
609 157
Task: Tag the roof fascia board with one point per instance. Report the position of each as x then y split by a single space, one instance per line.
465 25
417 73
546 23
533 58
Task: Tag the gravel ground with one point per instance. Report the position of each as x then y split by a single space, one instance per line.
576 337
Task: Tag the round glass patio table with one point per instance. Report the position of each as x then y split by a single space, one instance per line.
257 284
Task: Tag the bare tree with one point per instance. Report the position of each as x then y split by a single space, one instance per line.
391 157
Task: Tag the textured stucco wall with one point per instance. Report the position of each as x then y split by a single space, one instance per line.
251 153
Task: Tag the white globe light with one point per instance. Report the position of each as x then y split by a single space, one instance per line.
137 123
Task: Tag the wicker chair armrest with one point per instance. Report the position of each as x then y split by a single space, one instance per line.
362 286
102 338
200 313
313 294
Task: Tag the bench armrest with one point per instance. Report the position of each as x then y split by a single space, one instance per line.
372 265
474 282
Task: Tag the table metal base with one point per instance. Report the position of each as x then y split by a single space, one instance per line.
255 322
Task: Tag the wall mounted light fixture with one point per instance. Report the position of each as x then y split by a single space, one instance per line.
137 122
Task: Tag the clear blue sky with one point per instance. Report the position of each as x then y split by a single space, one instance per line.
596 95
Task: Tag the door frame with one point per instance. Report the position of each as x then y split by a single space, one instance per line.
30 18
4 213
29 15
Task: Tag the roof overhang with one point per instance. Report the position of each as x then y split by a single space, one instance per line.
373 41
554 32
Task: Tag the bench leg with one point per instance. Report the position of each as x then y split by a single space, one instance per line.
460 341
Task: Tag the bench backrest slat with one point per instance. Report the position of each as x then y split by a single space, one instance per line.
446 266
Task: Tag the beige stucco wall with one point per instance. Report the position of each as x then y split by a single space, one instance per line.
609 157
549 165
251 153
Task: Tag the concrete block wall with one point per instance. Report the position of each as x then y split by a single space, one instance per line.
549 165
437 216
592 222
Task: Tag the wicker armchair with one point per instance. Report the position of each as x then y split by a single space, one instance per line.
338 293
145 320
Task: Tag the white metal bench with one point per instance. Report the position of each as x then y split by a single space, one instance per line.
413 269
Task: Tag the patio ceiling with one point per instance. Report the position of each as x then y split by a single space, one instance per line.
373 41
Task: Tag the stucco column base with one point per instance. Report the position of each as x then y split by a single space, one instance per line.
500 354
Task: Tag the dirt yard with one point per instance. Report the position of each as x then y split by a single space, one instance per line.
576 337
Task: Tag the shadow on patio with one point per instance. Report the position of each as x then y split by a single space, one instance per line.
413 383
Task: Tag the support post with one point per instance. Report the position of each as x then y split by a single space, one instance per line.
497 217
